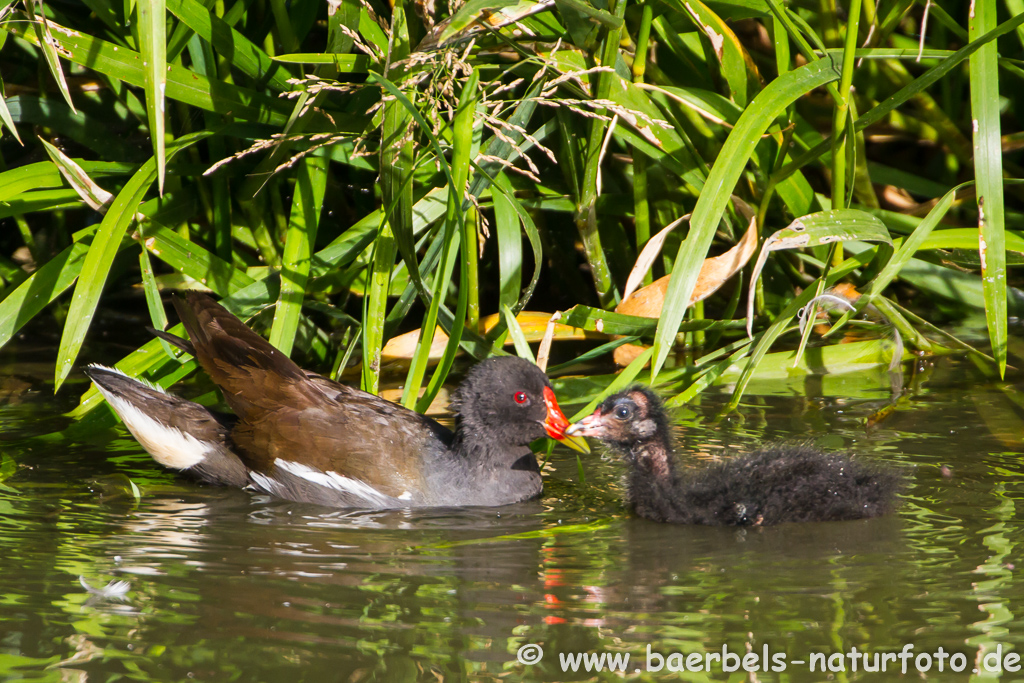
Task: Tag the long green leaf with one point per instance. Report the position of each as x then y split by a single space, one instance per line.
40 288
358 64
37 176
182 84
988 172
586 209
608 322
396 167
298 249
90 192
731 161
243 53
510 244
153 48
5 114
192 260
100 257
157 315
462 152
518 338
44 35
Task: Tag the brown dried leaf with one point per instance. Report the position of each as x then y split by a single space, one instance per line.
647 256
533 323
648 301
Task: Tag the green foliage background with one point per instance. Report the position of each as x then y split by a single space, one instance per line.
345 171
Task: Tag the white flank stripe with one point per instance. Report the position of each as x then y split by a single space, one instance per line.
333 480
169 446
264 482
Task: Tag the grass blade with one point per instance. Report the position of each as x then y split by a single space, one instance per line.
523 349
183 84
101 254
298 249
91 193
344 63
462 149
5 114
731 161
46 41
988 170
586 210
192 260
510 243
157 314
153 48
396 167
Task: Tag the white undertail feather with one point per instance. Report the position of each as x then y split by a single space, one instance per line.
144 382
169 446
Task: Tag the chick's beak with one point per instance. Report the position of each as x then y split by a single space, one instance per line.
591 425
556 423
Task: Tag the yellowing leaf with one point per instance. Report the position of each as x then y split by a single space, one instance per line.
648 301
532 323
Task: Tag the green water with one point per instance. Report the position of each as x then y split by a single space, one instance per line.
228 586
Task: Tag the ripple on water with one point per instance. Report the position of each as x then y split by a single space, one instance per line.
229 585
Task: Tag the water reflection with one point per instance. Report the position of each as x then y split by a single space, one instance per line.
230 586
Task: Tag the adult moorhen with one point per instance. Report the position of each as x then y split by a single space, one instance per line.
303 437
769 486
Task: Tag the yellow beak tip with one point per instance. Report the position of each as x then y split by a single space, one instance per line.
577 443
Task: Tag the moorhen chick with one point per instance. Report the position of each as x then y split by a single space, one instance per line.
769 486
300 436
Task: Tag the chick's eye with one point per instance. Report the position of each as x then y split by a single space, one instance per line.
623 412
521 398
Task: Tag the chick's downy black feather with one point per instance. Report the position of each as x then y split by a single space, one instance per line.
770 486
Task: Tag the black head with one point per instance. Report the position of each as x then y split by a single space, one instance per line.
508 401
627 419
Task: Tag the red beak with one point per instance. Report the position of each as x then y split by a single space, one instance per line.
555 423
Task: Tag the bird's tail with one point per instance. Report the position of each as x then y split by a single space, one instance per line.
254 376
179 434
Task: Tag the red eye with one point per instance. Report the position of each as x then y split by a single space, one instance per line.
520 397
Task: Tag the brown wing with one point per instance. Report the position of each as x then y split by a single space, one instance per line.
252 373
298 417
372 441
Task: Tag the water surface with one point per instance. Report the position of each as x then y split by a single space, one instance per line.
230 586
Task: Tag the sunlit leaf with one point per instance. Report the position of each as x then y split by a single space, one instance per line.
827 227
